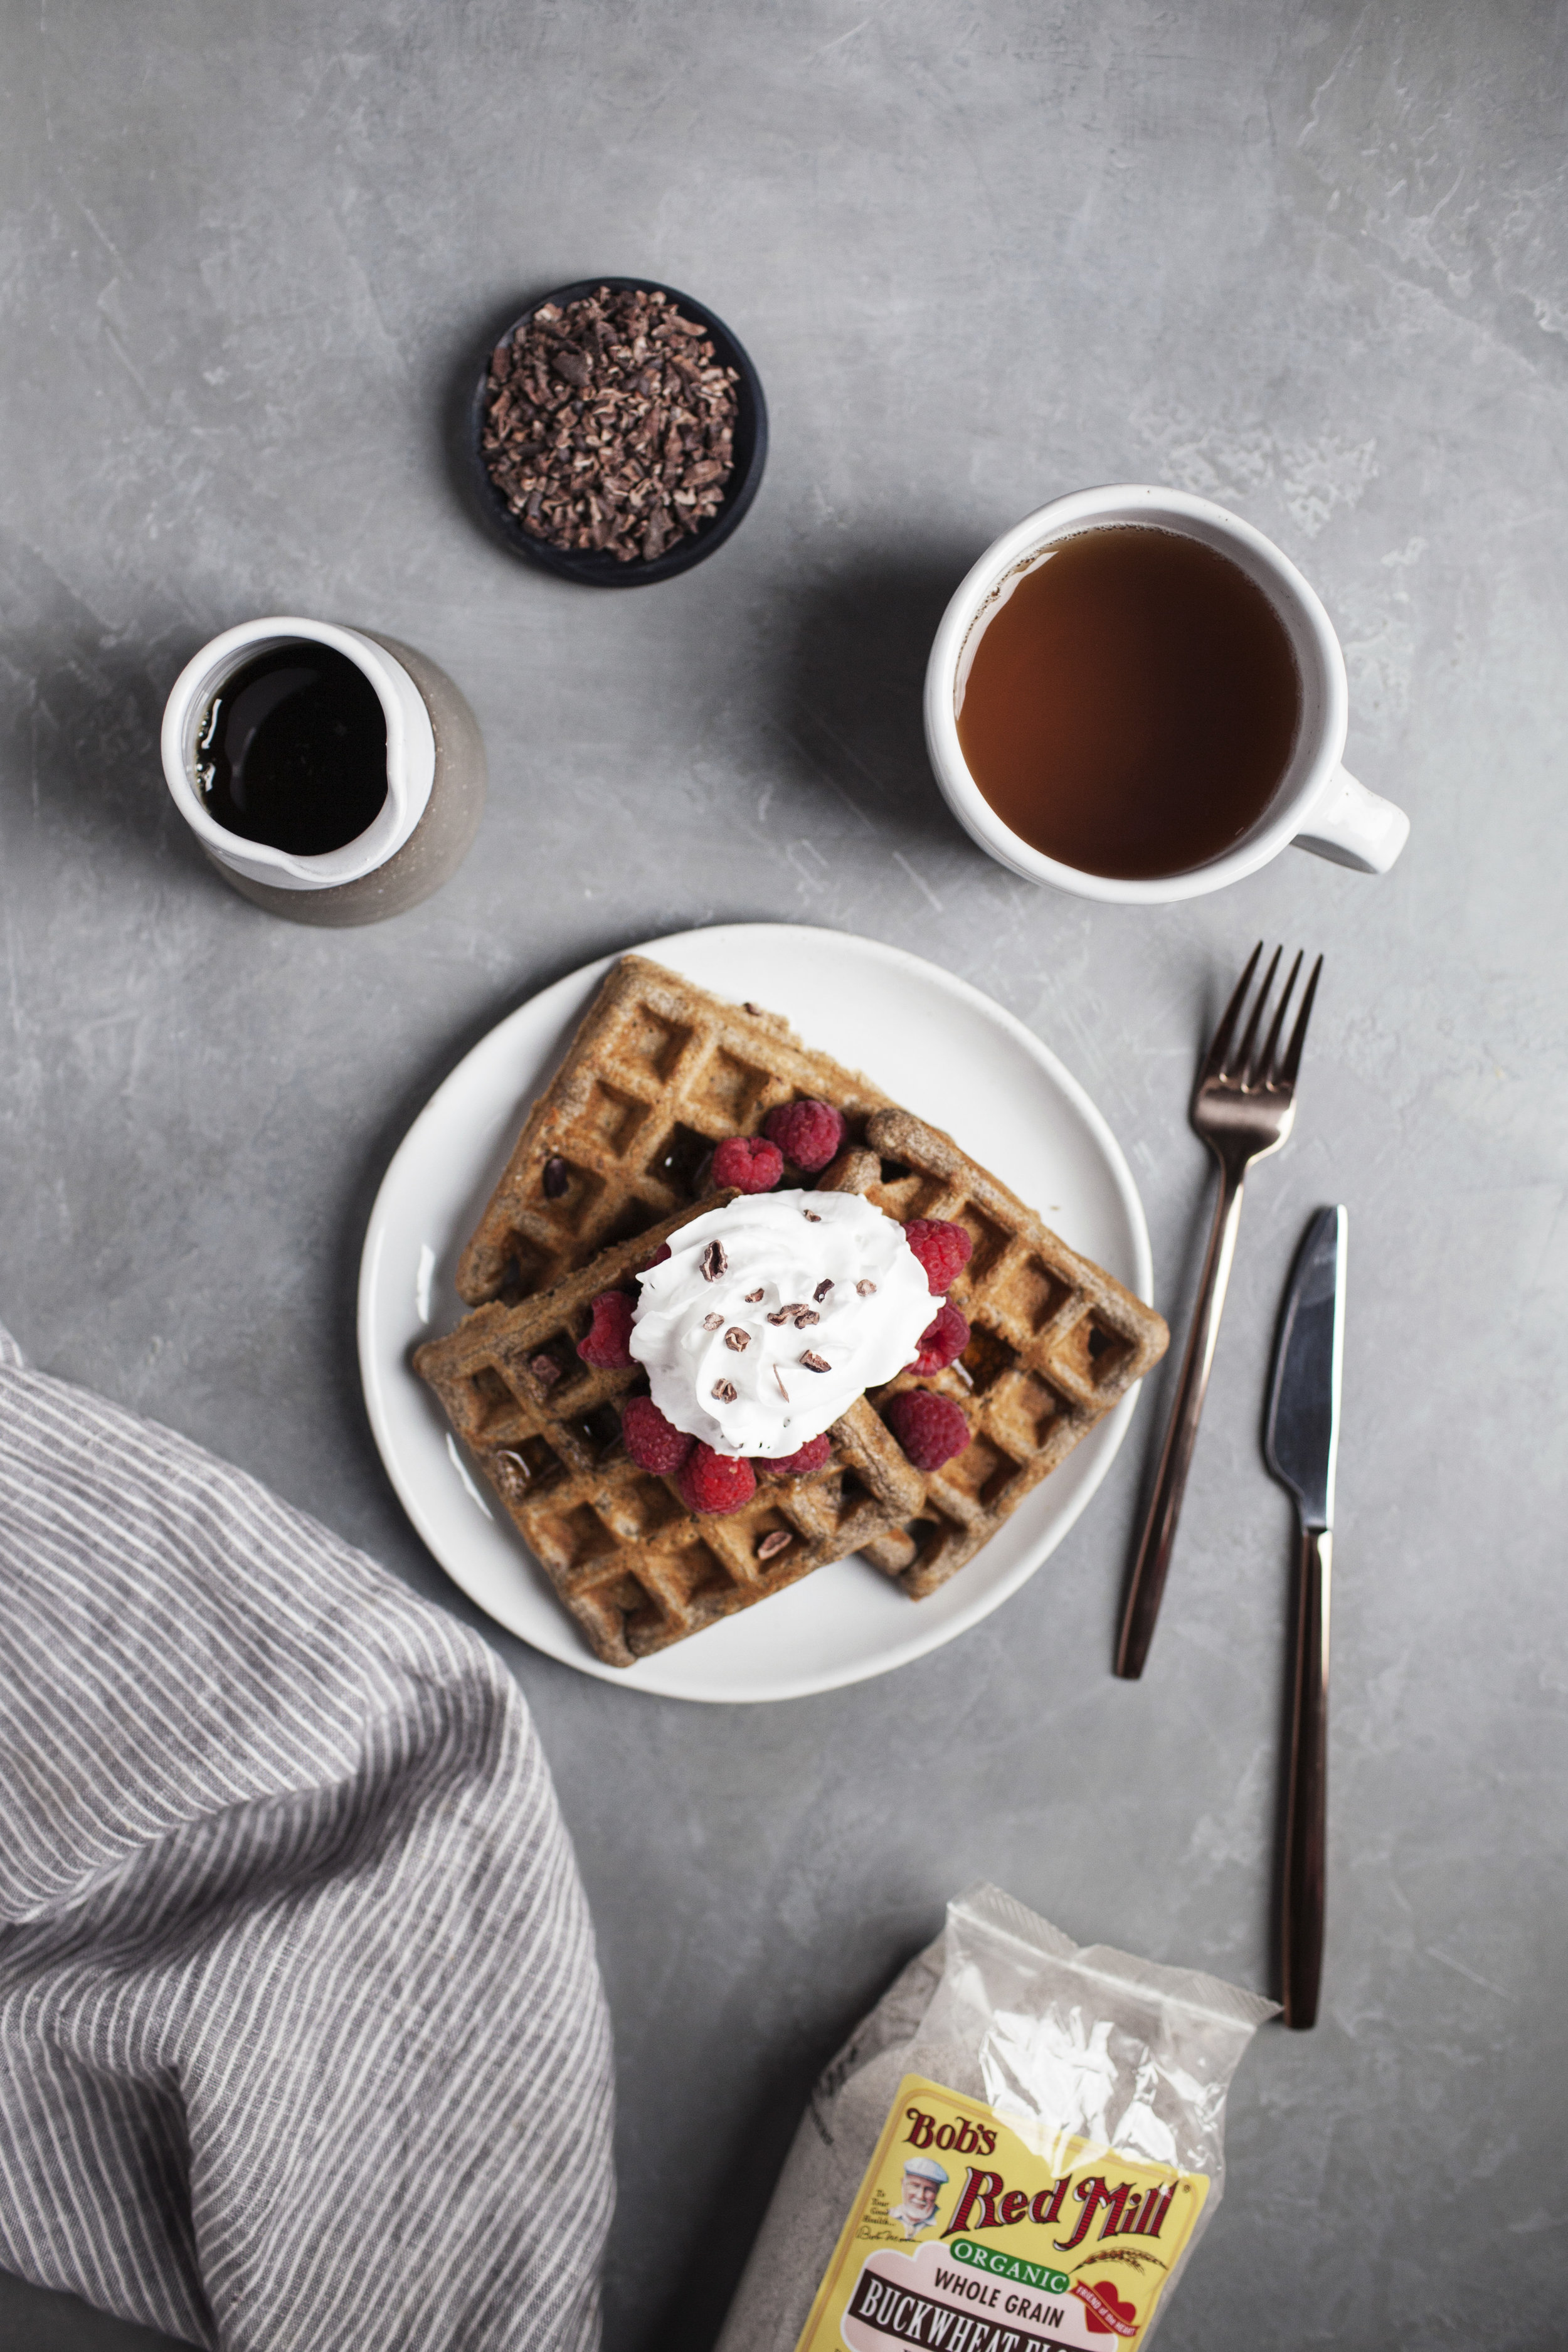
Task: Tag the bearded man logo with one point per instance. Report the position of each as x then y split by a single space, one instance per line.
918 2208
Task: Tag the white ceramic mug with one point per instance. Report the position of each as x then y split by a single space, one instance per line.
410 755
1318 804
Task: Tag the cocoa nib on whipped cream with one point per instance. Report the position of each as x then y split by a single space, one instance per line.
772 1314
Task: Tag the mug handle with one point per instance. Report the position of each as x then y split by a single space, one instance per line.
1355 827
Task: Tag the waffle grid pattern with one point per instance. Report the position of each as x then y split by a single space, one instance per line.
659 1072
1055 1342
635 1567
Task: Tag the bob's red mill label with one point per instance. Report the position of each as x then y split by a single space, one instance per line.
973 2232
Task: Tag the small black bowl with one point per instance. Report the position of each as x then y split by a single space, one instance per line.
592 566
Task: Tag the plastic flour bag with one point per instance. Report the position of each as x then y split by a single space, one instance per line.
1016 2152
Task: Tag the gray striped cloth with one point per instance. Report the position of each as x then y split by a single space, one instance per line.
302 2043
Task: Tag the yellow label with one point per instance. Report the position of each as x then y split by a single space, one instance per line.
974 2233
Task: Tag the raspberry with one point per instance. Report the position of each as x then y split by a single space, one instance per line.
748 1163
943 1249
929 1427
808 1133
715 1482
810 1456
942 1341
661 1253
653 1443
607 1343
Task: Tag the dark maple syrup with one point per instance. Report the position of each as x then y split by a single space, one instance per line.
1132 707
291 749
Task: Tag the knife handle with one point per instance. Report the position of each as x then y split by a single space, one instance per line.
1306 1796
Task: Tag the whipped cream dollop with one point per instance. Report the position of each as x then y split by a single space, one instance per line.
772 1314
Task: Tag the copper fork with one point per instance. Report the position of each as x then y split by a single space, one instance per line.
1243 1106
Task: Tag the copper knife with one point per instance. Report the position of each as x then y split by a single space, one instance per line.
1300 1442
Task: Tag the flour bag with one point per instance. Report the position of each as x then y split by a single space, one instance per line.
1016 2152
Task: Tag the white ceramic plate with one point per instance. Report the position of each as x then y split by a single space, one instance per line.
931 1042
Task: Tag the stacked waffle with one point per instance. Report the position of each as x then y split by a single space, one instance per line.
605 1167
659 1072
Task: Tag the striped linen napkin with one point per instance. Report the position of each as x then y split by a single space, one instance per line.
302 2042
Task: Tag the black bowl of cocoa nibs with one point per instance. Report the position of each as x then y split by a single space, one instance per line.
619 433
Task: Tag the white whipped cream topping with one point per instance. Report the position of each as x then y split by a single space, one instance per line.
859 1299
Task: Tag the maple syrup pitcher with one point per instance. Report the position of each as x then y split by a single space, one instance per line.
331 774
1016 2152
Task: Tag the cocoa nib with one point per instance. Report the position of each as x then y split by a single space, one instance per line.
815 1363
726 1392
557 1176
780 1314
545 1371
823 1287
865 1289
753 1298
714 1262
737 1339
770 1546
783 1390
512 1471
610 425
811 1217
711 1322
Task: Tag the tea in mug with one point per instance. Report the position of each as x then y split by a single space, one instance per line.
1132 707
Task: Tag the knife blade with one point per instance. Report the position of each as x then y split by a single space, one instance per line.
1300 1442
1301 1434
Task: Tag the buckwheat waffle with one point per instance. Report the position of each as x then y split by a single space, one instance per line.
1055 1342
659 1072
635 1567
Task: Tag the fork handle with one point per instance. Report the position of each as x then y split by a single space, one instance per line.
1306 1797
1147 1583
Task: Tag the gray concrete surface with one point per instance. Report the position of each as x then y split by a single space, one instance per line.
1308 259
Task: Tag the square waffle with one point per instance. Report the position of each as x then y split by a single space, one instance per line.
635 1567
1055 1341
659 1072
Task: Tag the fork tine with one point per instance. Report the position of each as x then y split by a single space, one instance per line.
1260 1073
1243 1061
1214 1061
1286 1078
